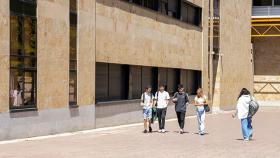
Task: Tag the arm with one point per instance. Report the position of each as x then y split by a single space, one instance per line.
167 98
236 111
187 98
174 100
142 100
206 100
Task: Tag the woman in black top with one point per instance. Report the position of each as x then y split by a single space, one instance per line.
181 100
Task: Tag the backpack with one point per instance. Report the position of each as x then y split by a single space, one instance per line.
253 107
143 97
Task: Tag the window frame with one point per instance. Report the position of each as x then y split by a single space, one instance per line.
73 16
23 57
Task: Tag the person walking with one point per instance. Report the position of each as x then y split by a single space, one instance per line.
147 100
162 99
242 110
181 100
199 101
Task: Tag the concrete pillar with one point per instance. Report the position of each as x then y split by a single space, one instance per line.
4 55
86 52
53 54
205 53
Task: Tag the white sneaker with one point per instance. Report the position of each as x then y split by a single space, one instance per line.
159 131
163 131
181 131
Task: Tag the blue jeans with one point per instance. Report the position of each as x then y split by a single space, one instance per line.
201 120
247 129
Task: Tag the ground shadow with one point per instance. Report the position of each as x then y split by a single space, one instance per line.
199 134
240 139
179 132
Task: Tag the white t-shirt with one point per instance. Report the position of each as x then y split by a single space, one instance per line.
162 99
200 100
148 102
243 106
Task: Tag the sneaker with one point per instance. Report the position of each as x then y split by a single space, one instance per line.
181 131
201 134
163 131
159 131
246 139
145 131
150 129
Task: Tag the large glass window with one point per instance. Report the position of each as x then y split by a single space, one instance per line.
73 54
276 2
178 9
262 2
112 82
116 82
23 54
190 14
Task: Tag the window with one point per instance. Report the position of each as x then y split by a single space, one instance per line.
149 78
136 81
170 78
23 54
190 14
73 54
173 80
276 2
262 3
116 82
163 7
191 79
151 4
177 9
112 82
174 8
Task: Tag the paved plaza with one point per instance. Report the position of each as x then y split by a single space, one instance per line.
222 141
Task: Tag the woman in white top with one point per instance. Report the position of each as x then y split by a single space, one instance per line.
199 101
242 110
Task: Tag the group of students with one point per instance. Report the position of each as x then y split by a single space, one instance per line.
157 106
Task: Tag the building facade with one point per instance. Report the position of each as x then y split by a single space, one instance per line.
265 40
83 64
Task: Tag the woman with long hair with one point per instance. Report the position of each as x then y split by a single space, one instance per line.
199 101
242 110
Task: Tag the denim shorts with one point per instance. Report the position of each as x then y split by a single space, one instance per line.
147 113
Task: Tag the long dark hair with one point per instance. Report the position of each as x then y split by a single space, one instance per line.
244 91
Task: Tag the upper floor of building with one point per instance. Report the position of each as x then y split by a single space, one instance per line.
266 9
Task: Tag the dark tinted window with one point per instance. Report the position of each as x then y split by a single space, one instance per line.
276 2
23 54
188 13
73 53
26 7
262 2
136 85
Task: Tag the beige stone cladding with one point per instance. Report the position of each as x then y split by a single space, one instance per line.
53 53
266 68
86 52
4 55
204 61
235 48
129 34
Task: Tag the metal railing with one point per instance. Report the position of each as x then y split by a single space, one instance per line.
266 11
